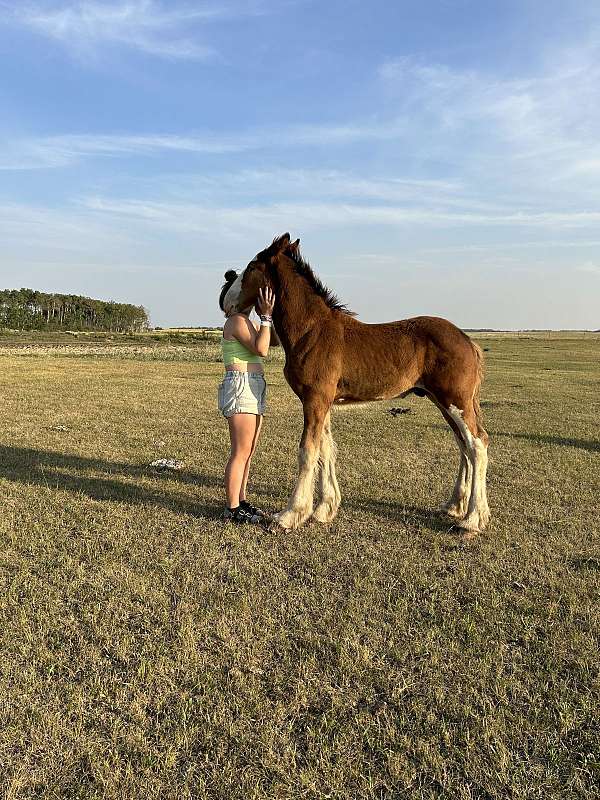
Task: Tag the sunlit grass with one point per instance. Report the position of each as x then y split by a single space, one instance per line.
151 652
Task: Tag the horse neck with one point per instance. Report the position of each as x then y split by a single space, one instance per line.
296 306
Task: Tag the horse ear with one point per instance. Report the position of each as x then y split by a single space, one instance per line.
281 243
294 246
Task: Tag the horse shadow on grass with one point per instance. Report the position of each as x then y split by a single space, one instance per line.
591 445
116 482
48 468
401 515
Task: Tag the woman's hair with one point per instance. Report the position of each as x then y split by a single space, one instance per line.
230 277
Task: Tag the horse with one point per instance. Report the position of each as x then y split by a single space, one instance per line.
331 358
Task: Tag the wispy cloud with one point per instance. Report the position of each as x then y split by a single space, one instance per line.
590 266
198 218
535 133
89 238
43 230
62 150
545 125
330 183
307 185
543 244
152 27
534 138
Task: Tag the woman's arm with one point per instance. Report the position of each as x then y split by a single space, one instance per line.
242 329
257 341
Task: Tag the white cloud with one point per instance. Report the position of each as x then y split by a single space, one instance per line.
590 266
198 218
74 247
589 167
64 229
527 143
548 244
150 26
308 184
63 150
540 127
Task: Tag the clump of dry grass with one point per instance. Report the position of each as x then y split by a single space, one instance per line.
149 651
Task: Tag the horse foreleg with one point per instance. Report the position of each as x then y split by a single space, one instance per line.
329 491
300 505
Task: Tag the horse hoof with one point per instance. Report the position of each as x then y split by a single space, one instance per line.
469 524
289 520
277 524
452 511
323 515
475 522
275 527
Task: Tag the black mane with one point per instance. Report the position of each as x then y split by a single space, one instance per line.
304 269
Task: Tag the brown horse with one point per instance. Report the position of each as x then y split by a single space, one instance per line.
332 358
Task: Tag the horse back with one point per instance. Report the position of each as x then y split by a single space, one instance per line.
384 360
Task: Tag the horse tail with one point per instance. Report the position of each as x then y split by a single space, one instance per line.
478 381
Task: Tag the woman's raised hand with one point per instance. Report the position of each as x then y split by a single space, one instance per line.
266 300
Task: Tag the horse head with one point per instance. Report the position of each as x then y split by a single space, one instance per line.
240 291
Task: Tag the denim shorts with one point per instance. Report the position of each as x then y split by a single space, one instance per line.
242 393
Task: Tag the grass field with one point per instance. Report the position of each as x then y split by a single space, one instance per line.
149 651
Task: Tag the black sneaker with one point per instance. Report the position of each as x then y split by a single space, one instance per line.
241 516
254 509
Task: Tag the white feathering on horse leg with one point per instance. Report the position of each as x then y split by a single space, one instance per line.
301 502
459 501
330 496
478 512
478 515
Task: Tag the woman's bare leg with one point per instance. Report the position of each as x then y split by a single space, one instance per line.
242 432
259 420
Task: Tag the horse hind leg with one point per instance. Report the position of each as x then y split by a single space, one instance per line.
476 442
458 503
329 491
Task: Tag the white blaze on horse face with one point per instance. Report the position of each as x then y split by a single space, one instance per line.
233 295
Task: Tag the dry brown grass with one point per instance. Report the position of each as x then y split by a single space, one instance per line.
148 651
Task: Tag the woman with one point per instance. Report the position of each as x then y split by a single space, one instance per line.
242 396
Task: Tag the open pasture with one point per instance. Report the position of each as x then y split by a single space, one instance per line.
148 651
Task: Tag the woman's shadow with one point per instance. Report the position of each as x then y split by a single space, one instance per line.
53 469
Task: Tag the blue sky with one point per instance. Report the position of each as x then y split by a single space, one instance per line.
440 156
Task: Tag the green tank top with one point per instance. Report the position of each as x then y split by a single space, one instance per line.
234 352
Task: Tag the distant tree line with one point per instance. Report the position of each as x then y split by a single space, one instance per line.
28 309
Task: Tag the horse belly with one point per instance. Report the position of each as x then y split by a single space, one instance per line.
371 388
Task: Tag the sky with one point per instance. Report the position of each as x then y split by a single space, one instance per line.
433 156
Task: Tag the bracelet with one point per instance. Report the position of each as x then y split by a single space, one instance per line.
266 317
266 323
